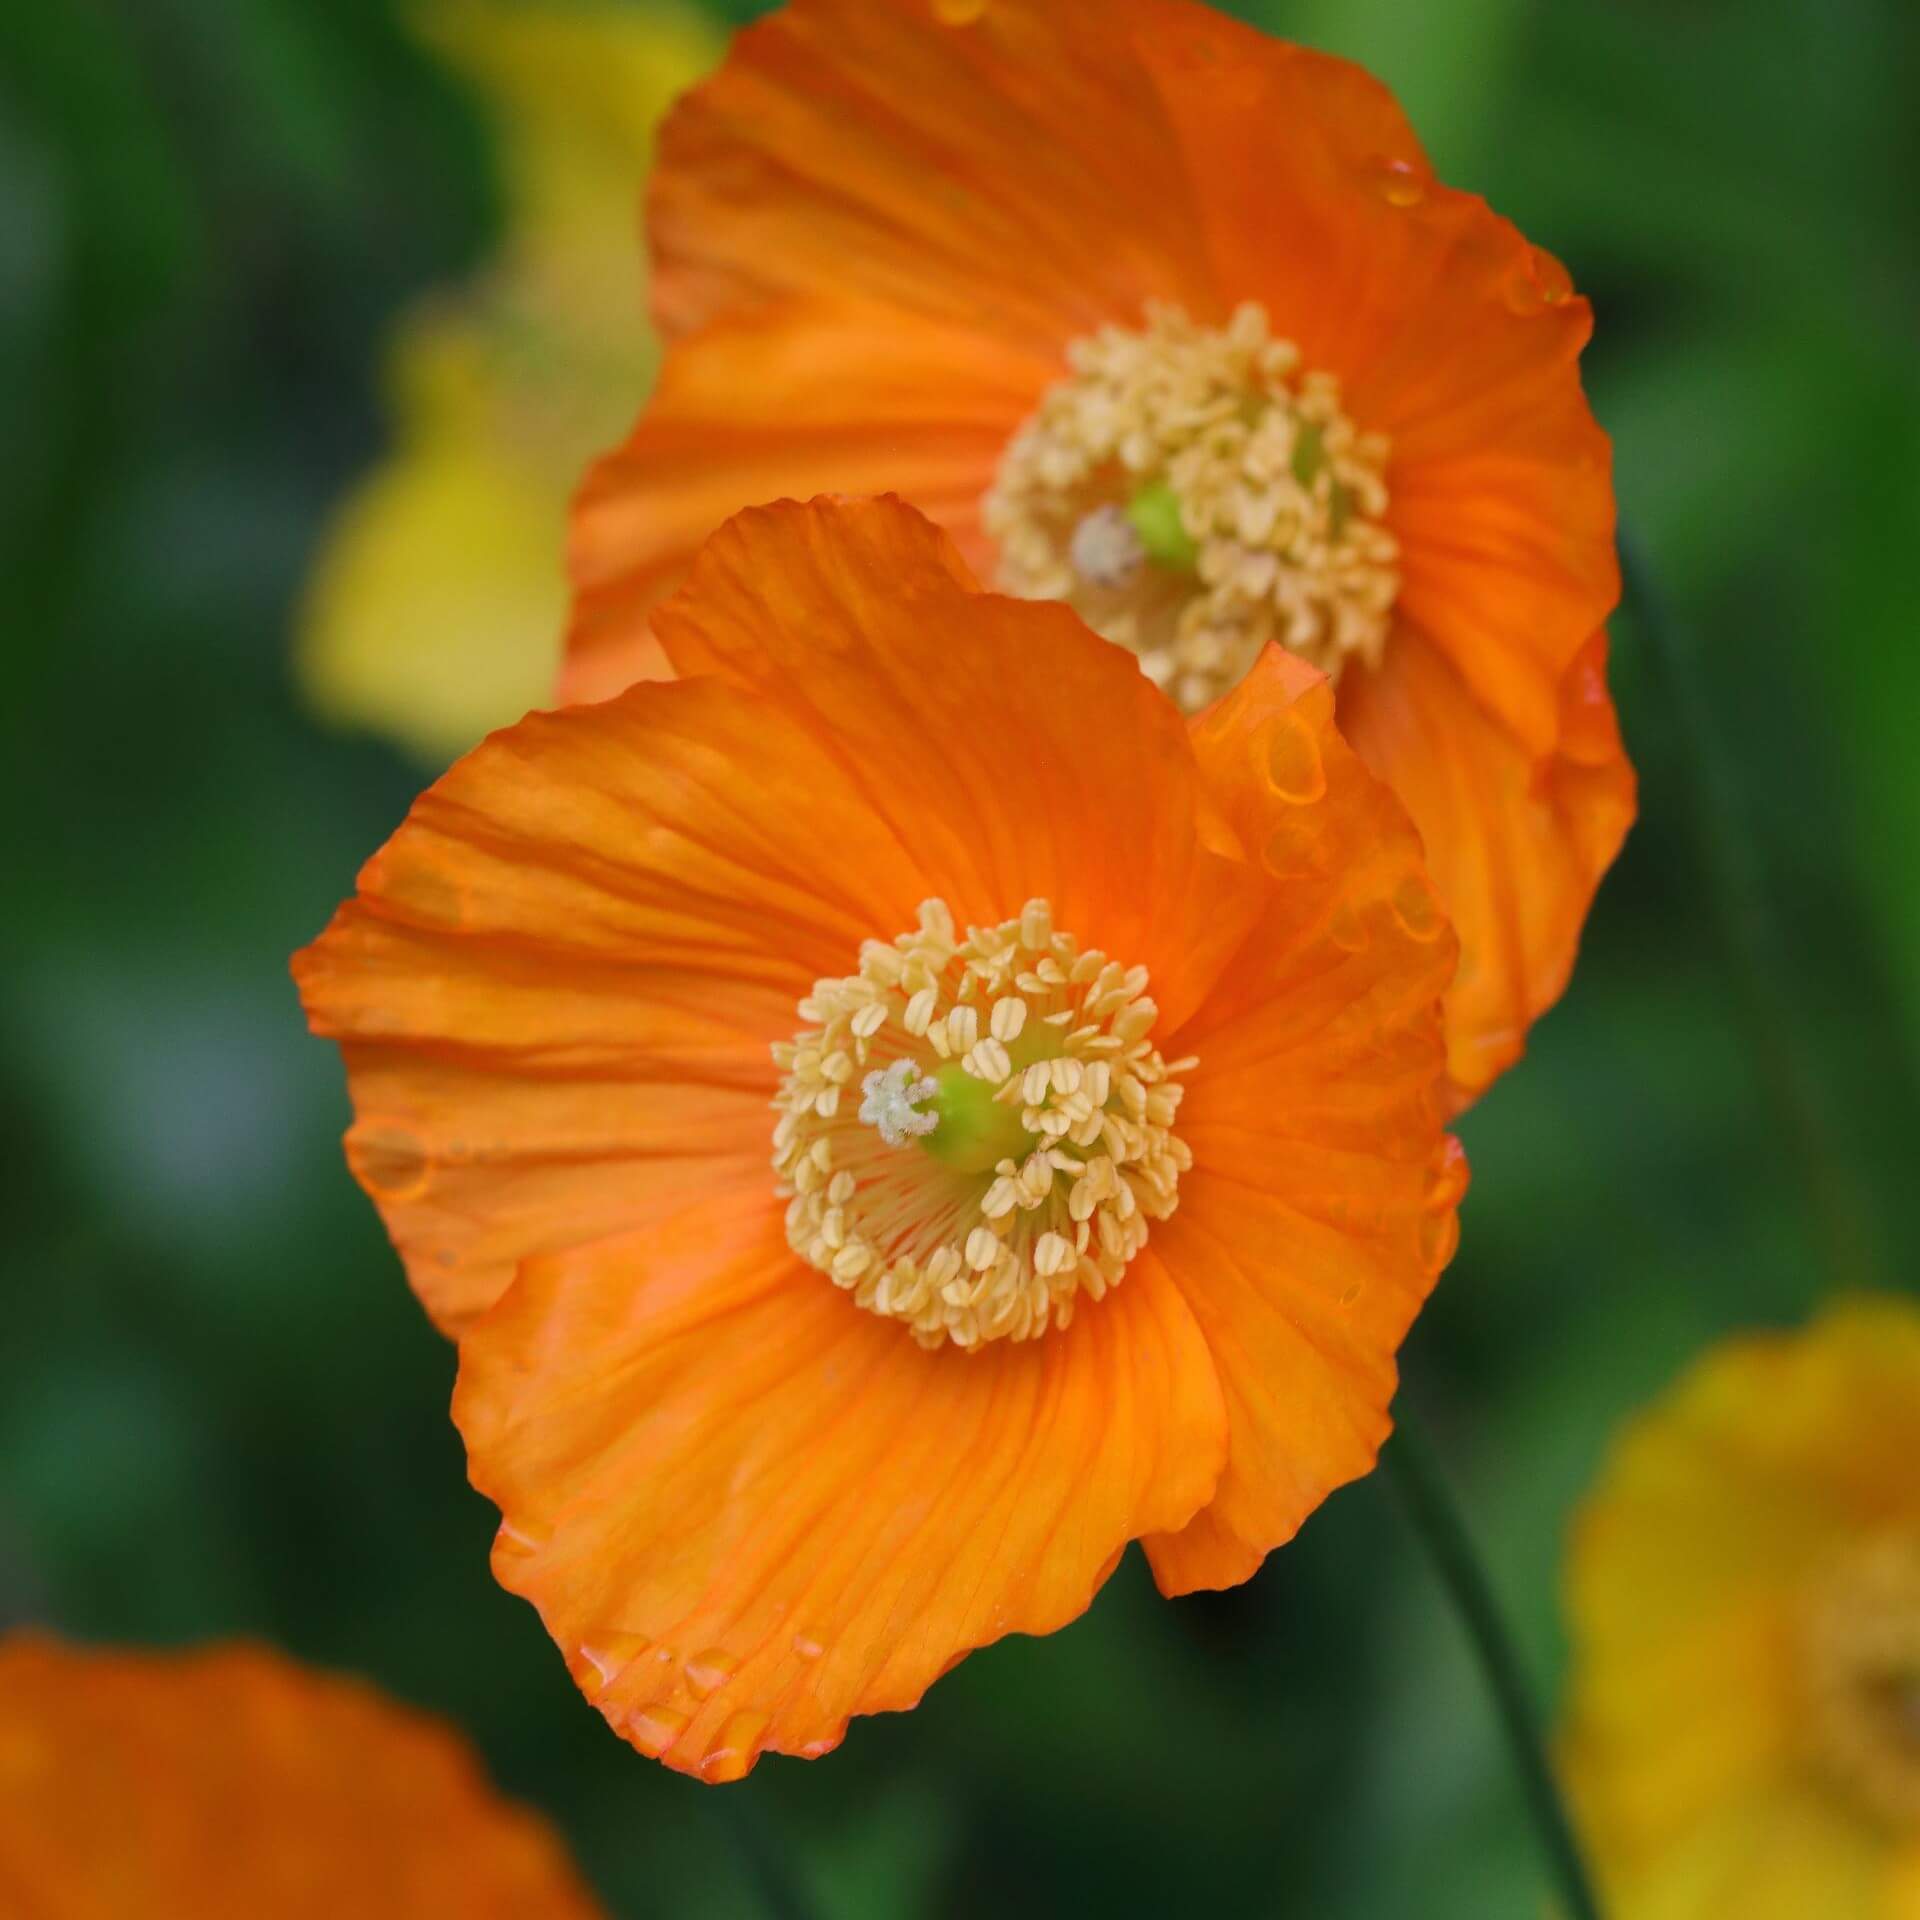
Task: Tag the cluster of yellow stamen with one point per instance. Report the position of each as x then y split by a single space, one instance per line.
975 1131
1861 1647
1194 494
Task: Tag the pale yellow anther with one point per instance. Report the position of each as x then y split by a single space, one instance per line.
1194 495
963 1197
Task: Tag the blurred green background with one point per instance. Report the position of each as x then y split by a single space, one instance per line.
220 1410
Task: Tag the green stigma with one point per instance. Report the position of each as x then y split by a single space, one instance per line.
976 1131
1154 514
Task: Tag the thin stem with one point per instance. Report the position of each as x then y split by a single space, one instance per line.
761 1853
1414 1469
1729 858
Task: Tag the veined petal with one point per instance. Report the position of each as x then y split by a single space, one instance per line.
870 401
1447 331
1016 175
1030 758
746 1509
1516 847
1320 1207
557 988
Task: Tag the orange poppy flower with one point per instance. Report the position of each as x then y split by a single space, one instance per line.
232 1782
1098 1059
1172 320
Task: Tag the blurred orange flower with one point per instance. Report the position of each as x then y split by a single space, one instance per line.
1098 1058
1173 321
1744 1722
230 1782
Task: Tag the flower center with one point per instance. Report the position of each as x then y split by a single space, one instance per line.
1194 495
1013 1136
1861 1661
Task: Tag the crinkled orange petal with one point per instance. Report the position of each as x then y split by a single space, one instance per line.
861 295
1320 1206
746 1509
1029 757
1447 330
800 398
231 1782
557 988
1017 176
874 236
1515 847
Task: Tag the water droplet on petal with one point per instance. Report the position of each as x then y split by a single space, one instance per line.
959 13
708 1672
1400 183
514 1543
600 1662
1298 772
1538 282
1439 1235
807 1649
654 1729
388 1159
735 1748
1417 910
1450 1175
1350 1296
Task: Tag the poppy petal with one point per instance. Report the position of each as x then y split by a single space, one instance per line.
557 988
1447 330
746 1509
1015 174
1320 1206
866 404
1517 848
1021 755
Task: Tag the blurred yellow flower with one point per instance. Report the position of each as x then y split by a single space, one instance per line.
435 608
1743 1734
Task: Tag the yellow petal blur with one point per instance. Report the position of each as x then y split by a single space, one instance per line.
1743 1723
434 608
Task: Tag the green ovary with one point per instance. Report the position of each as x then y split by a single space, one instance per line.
976 1131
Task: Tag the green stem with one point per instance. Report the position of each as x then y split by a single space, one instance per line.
762 1856
1729 859
1414 1469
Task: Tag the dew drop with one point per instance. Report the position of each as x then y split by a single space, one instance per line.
1539 282
600 1662
1439 1235
1350 1296
654 1729
388 1159
708 1672
735 1748
807 1649
959 13
1450 1175
1400 183
1417 910
515 1543
1294 761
